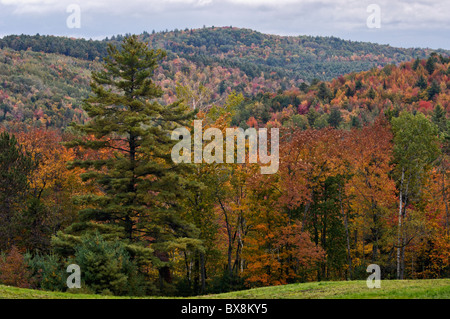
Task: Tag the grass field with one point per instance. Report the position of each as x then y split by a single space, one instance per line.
391 289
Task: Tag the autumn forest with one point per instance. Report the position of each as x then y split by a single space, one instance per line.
86 175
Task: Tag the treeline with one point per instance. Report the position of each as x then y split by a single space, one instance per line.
299 58
77 48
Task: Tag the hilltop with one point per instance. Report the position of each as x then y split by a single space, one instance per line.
43 79
356 98
299 58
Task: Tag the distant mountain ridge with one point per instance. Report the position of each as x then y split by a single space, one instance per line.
44 79
299 58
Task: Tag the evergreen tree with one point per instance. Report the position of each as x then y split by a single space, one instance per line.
439 118
140 184
106 266
422 83
335 118
371 94
324 93
312 116
416 64
355 122
15 167
304 87
433 90
430 65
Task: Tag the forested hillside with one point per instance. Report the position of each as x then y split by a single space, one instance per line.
362 170
355 99
281 58
42 89
44 78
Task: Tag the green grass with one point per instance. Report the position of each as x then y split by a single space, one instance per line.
390 289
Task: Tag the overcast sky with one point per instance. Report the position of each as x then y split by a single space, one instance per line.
423 23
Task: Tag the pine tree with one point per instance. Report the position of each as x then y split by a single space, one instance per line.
439 118
324 93
422 83
15 167
335 118
433 90
140 185
416 64
312 116
430 65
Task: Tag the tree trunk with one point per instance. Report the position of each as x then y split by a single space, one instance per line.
345 217
202 273
165 275
399 232
444 198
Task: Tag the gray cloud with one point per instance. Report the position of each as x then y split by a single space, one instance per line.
404 23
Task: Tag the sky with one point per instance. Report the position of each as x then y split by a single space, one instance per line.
399 23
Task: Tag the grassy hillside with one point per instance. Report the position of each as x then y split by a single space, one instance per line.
391 289
405 289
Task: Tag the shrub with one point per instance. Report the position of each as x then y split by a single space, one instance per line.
14 270
47 271
106 267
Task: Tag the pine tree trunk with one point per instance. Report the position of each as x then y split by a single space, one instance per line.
202 273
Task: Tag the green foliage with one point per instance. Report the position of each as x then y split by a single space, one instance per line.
141 187
415 141
33 225
324 93
226 282
312 116
422 83
433 90
15 167
106 265
48 271
430 65
371 94
322 121
335 117
300 121
355 122
325 225
78 48
439 118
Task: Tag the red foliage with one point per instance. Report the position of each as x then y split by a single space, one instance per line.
14 270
